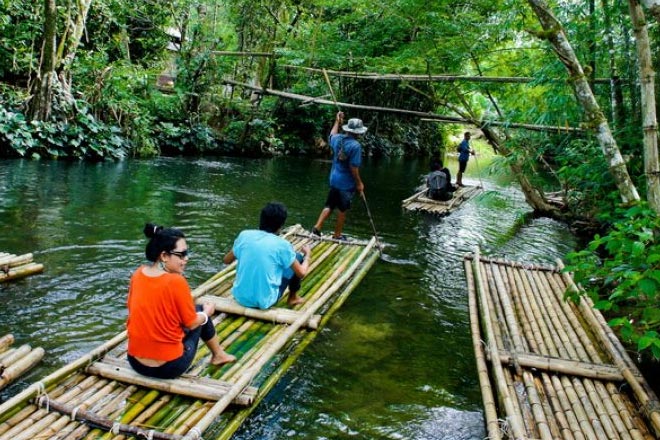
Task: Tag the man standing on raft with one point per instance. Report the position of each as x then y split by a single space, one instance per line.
345 173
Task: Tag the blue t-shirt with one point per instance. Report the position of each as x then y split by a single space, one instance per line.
464 151
340 174
263 258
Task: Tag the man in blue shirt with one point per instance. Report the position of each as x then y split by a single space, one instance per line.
464 152
345 173
267 263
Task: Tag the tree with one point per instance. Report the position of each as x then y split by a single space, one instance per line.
554 33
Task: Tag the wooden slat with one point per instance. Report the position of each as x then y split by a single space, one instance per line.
275 314
565 366
419 201
185 385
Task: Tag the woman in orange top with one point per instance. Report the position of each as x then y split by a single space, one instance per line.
164 325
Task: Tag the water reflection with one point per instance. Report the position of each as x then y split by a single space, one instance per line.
395 362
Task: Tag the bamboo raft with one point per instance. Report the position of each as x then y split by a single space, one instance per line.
16 361
419 201
17 266
99 395
558 370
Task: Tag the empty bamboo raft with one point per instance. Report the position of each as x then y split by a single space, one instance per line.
557 369
99 396
419 201
17 266
16 361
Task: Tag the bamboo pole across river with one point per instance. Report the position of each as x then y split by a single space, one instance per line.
558 370
98 396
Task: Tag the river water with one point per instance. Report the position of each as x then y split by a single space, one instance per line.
395 362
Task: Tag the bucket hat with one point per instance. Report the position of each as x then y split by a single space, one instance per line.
354 125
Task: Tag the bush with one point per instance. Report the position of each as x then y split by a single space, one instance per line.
620 271
84 137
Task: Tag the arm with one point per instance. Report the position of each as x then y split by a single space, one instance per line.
359 186
339 119
300 269
229 257
202 317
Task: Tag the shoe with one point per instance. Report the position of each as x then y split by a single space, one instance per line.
340 238
316 232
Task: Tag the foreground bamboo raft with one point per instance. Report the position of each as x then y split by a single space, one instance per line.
99 396
16 361
557 369
17 266
419 201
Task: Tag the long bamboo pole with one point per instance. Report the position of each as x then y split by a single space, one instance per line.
422 115
513 418
14 370
487 397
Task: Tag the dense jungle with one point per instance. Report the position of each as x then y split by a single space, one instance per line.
561 92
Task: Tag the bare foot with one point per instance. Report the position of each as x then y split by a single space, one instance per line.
222 358
294 300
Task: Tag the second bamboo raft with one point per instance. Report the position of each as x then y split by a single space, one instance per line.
17 266
16 361
551 369
98 395
420 202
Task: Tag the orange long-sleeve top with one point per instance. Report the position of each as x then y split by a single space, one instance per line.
158 310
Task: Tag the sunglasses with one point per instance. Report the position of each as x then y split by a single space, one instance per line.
180 254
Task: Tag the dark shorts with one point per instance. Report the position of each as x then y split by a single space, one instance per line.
176 367
339 199
461 165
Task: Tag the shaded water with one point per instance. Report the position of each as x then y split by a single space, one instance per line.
395 362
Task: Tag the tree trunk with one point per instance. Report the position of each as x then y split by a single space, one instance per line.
553 31
39 105
650 125
616 91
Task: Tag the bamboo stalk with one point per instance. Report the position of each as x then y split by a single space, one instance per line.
513 419
184 385
16 369
564 366
275 315
490 407
12 260
6 341
21 271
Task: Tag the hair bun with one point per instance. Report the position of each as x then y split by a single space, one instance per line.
151 229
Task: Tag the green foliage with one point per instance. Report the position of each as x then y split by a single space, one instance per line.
178 139
84 138
620 272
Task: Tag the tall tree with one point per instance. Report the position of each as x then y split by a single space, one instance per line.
649 118
553 31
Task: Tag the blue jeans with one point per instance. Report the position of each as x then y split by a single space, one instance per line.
176 367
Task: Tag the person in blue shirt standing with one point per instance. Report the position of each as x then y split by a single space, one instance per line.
267 263
464 152
345 173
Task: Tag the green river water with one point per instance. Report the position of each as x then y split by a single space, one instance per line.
395 362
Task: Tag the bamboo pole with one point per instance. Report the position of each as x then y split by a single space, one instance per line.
6 341
490 407
274 315
13 371
184 385
12 260
21 271
428 77
513 419
422 115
